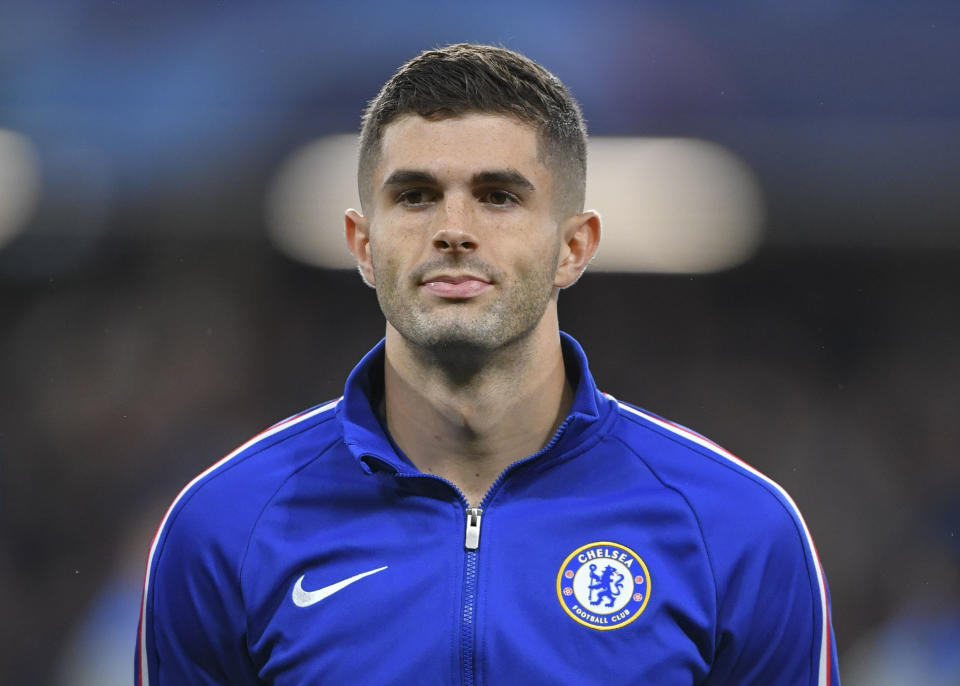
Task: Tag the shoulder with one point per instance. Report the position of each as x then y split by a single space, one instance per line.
192 611
769 583
741 511
221 504
692 463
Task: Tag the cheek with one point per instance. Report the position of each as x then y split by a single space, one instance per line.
396 243
391 264
543 254
383 265
535 272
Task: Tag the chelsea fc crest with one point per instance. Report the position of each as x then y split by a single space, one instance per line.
603 585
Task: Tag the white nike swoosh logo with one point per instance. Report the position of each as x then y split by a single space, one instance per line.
302 598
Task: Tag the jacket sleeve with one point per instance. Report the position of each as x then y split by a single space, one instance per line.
774 622
192 621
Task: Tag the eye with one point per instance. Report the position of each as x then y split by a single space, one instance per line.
499 198
415 197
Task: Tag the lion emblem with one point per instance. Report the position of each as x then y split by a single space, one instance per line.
607 584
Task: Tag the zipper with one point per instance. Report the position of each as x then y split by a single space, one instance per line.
472 538
509 468
471 544
468 625
471 541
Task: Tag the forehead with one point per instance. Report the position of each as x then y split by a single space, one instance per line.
462 144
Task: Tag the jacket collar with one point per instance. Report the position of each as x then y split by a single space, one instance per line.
369 442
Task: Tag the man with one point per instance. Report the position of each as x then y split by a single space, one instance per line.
473 509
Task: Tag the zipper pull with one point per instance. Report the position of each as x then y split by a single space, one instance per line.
474 514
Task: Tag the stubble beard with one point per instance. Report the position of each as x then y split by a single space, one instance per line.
467 333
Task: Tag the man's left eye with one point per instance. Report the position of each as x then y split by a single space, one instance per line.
499 198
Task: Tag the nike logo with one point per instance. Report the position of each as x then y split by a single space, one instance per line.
302 598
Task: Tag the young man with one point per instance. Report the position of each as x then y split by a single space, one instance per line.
473 509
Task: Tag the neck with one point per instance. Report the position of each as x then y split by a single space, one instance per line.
466 417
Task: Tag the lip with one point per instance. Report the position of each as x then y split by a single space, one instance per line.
455 285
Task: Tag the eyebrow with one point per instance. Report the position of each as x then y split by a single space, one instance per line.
500 177
404 177
503 177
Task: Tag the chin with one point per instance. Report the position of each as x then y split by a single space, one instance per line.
464 331
477 337
451 338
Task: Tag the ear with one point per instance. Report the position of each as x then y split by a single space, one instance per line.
581 235
357 232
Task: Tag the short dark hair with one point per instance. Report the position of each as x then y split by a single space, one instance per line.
466 78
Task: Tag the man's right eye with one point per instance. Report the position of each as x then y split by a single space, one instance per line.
414 197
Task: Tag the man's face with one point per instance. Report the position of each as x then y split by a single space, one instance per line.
463 244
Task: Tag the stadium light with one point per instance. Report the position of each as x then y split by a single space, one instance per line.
19 184
670 205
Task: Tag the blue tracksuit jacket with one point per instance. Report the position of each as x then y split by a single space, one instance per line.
628 551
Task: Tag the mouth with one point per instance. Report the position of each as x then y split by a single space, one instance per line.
459 286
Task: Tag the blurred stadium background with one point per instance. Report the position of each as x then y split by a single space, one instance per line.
781 188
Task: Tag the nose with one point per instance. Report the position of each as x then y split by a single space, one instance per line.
454 234
454 241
